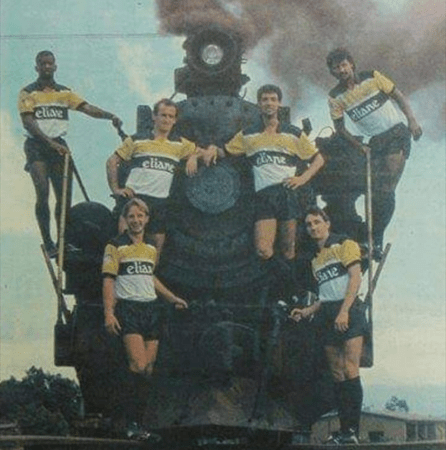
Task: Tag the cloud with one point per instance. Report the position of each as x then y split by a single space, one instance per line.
16 190
146 76
17 358
409 352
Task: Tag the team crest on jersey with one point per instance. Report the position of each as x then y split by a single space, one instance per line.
51 112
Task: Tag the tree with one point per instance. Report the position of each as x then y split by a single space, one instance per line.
42 404
396 404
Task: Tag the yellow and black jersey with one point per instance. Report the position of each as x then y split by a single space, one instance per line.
153 162
330 267
273 157
368 104
50 106
132 266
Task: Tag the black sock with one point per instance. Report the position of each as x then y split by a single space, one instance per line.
143 390
339 404
351 399
137 391
383 206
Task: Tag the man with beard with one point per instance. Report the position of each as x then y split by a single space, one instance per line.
366 98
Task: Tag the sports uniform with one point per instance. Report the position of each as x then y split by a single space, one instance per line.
132 266
274 157
49 106
152 166
369 106
330 268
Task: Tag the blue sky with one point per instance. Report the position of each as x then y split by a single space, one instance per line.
118 72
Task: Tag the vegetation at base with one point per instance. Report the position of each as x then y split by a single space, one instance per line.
41 403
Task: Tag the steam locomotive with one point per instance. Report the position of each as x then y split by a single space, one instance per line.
232 368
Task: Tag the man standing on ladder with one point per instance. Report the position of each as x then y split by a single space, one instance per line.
43 107
365 97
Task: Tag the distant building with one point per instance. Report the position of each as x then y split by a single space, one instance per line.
10 429
386 426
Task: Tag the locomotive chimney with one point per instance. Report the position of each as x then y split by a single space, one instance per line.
213 63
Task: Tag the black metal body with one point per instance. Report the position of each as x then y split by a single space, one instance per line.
234 358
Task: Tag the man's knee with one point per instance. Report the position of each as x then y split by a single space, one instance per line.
337 374
141 367
289 252
264 252
351 370
138 367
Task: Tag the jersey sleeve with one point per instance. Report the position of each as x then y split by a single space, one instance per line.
188 148
126 149
350 253
384 84
304 148
236 146
336 109
110 263
25 102
73 100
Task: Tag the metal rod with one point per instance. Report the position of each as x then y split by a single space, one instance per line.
369 220
79 181
62 223
63 311
378 272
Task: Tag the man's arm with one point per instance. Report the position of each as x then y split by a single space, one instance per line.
339 125
404 105
312 169
169 295
192 164
112 166
304 313
354 282
108 293
31 125
98 113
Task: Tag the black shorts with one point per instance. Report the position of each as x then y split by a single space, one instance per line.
36 150
157 208
325 317
391 141
277 202
142 318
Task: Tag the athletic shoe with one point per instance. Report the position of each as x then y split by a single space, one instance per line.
338 438
377 253
349 437
51 249
334 439
70 248
135 432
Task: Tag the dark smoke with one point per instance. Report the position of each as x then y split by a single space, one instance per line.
410 49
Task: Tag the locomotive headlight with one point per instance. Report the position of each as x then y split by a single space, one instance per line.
212 54
212 51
